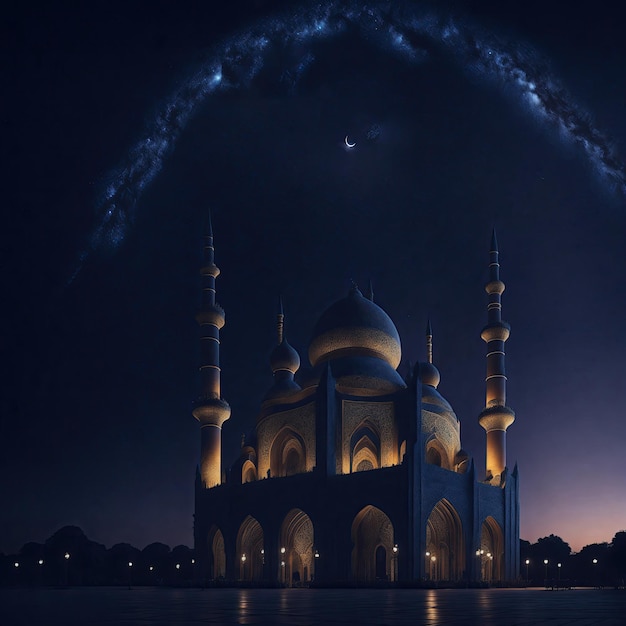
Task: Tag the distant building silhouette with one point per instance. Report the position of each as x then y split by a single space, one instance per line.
353 473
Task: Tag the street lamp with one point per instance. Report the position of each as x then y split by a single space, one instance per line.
130 569
66 568
545 562
558 571
395 562
527 564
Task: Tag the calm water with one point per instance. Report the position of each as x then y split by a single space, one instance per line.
148 606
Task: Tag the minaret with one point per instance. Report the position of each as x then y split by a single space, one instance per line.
284 360
429 374
210 410
496 417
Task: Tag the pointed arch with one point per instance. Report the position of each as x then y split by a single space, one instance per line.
436 454
491 550
372 546
445 544
217 554
250 552
297 539
248 472
364 447
287 453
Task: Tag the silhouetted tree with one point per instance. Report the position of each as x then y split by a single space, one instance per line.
156 556
618 557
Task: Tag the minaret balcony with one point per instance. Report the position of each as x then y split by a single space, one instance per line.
498 331
496 418
209 410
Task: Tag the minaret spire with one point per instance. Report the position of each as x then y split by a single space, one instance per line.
280 320
210 410
429 342
497 416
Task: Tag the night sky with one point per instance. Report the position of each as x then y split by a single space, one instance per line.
101 242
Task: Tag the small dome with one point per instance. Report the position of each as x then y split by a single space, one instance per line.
355 326
429 374
284 357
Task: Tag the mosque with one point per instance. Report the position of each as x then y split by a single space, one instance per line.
354 475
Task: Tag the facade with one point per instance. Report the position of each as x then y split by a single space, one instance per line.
354 474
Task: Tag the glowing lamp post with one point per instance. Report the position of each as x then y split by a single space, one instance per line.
66 556
130 569
558 565
243 566
545 562
395 562
527 564
282 565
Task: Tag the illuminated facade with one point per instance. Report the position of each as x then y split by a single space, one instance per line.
354 474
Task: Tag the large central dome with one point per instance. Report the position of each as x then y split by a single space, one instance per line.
355 326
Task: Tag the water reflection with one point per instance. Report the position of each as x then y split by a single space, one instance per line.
394 607
431 610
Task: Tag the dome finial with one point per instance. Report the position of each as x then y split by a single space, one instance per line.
280 320
209 228
283 357
429 341
429 374
494 240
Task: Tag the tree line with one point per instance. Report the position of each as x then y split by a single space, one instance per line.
550 561
69 558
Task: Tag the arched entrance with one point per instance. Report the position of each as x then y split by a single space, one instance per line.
297 559
445 546
217 554
250 552
491 550
372 541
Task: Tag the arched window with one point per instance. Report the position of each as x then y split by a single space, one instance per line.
248 472
436 454
288 454
364 448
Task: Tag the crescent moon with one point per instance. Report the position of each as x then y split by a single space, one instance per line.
350 145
